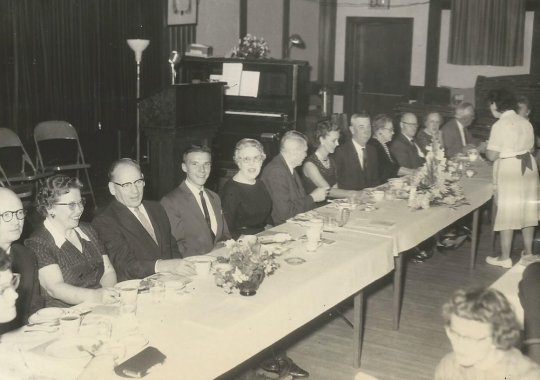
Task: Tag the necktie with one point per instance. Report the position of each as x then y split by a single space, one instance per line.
146 223
207 215
361 156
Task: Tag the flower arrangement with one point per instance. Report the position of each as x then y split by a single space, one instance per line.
250 47
250 261
433 184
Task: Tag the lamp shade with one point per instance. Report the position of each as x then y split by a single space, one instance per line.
138 47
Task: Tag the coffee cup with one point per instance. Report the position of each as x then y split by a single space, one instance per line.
129 295
398 184
378 195
69 324
202 267
473 156
469 173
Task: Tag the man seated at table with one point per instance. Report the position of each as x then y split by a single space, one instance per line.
456 136
137 233
12 364
23 260
197 222
284 184
404 148
356 161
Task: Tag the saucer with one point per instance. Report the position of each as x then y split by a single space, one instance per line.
295 261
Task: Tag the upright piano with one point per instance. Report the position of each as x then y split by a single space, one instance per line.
281 104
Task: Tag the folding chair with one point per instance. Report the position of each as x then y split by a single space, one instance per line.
61 130
22 191
9 139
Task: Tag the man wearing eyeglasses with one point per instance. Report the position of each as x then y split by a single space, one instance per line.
137 233
456 136
404 148
197 221
23 260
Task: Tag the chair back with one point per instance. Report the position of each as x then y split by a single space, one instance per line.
51 130
9 139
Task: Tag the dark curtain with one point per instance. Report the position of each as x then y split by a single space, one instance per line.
69 60
487 32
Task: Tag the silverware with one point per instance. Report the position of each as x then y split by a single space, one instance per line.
49 323
54 329
81 348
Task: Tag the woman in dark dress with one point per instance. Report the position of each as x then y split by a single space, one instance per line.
319 168
432 123
245 201
73 264
383 130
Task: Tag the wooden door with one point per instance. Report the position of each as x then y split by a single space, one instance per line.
377 63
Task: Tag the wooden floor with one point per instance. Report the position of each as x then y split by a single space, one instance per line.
324 347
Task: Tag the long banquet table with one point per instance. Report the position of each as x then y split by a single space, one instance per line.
210 332
406 229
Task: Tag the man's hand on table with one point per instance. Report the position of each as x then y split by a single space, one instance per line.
176 266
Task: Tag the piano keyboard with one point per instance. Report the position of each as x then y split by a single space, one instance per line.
253 113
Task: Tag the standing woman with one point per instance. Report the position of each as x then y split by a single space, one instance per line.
430 132
73 264
320 168
245 201
515 175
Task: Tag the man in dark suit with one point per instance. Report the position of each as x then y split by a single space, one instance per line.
456 137
197 222
137 233
23 260
284 184
356 162
404 149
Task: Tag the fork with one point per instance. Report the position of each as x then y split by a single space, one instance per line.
81 348
48 324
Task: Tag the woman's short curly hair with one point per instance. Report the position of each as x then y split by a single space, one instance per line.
503 99
52 188
489 306
379 122
248 143
322 130
426 116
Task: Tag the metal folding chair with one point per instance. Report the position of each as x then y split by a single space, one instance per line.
61 130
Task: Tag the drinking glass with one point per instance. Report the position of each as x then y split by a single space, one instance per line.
157 291
330 223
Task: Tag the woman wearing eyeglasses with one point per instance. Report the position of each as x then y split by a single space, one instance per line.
73 263
245 200
23 261
483 330
432 123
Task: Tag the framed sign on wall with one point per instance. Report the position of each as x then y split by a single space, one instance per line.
182 12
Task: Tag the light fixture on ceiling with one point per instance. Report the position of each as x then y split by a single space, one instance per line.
381 4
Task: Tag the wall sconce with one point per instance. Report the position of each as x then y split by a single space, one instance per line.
382 4
294 40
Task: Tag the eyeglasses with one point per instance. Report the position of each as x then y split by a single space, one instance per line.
8 215
14 283
129 185
466 339
249 160
72 205
411 124
389 129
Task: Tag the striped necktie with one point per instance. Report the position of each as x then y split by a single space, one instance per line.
146 223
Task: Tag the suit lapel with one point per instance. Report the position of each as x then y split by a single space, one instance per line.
131 222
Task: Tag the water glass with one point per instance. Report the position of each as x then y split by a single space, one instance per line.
127 310
330 223
157 291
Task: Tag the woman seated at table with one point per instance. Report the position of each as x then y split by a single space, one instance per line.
12 363
73 264
432 123
483 330
320 168
383 130
245 201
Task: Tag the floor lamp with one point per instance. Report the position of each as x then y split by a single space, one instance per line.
138 47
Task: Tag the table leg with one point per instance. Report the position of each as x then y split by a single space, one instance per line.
358 334
474 243
398 288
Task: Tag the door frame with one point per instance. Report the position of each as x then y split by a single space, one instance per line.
349 99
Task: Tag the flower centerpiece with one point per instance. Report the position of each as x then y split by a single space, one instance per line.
433 184
250 262
250 47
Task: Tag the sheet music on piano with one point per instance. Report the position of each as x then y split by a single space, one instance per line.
240 82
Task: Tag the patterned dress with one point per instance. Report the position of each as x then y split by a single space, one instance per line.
81 269
329 174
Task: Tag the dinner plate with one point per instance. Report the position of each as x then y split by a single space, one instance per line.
128 284
200 259
67 348
134 341
46 316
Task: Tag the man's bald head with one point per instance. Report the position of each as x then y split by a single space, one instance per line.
409 124
10 230
464 113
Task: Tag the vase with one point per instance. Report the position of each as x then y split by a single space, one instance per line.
249 288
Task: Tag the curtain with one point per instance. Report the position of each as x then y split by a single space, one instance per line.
69 60
487 32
